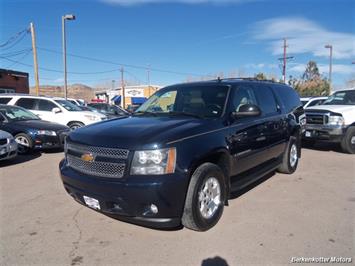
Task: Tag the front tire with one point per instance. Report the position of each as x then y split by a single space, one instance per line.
205 198
290 157
348 141
25 143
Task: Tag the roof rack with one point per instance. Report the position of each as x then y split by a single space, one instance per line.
248 79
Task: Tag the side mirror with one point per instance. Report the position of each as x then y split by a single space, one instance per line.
56 110
247 110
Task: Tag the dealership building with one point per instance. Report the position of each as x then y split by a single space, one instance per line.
12 81
134 95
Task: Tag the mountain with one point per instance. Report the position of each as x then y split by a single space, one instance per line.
76 91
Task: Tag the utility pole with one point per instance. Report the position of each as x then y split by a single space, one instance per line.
34 50
123 95
148 76
330 47
284 60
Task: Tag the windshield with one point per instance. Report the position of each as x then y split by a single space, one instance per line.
202 101
304 102
68 105
341 98
13 113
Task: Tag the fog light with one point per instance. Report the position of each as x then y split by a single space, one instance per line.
154 208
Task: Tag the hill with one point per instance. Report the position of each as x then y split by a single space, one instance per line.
76 91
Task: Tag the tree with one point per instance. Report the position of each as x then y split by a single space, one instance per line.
311 82
311 72
260 76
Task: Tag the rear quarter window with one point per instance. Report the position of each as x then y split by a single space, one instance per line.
5 100
288 97
27 103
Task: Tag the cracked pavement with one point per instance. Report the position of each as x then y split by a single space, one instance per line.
307 214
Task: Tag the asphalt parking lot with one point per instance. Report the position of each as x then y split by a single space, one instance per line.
307 214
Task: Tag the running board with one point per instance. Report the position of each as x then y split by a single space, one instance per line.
244 179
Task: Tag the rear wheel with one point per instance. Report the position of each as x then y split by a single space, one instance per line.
290 157
25 143
75 125
348 141
205 198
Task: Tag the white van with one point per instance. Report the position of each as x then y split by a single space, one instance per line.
53 109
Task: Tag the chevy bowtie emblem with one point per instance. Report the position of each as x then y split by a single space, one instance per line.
87 157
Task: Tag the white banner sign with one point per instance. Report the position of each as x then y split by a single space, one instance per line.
134 92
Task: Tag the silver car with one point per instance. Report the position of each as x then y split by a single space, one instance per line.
8 146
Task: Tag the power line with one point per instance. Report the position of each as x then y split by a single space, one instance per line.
59 71
123 64
14 40
16 53
19 60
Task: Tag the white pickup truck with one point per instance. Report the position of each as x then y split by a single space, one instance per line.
333 121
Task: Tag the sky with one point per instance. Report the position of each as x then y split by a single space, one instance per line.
177 40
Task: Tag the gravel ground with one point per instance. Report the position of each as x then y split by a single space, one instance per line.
307 214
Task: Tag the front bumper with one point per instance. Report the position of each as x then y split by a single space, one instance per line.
324 132
49 142
129 198
8 151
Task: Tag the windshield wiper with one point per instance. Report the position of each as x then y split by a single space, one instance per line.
145 113
185 113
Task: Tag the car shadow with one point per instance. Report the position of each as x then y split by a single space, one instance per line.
20 159
216 261
323 146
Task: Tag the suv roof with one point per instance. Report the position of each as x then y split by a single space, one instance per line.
229 81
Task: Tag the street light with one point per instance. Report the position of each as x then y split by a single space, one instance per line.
330 47
64 18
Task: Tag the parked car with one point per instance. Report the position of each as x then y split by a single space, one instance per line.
180 155
333 121
51 109
8 146
110 110
132 108
312 101
30 131
77 102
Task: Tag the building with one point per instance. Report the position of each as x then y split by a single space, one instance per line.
134 95
13 81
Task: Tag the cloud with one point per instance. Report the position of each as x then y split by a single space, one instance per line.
324 68
304 36
141 2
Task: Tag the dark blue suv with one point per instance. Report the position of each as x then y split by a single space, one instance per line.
177 159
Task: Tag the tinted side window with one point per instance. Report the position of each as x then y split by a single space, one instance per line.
27 103
5 100
266 99
288 96
244 94
45 105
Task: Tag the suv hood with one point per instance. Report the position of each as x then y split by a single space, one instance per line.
141 132
38 124
333 108
347 111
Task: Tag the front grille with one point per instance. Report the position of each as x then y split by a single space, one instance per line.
99 151
315 119
102 169
3 141
107 162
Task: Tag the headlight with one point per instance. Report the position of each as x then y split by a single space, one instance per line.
336 120
46 132
92 117
154 162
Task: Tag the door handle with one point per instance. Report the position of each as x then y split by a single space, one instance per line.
262 138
